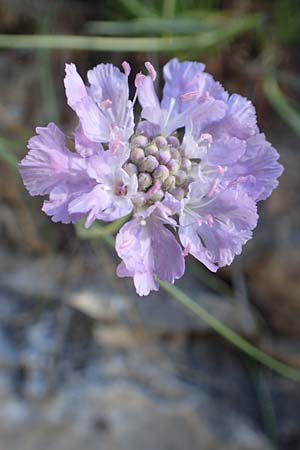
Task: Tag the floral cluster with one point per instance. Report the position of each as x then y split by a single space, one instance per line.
194 166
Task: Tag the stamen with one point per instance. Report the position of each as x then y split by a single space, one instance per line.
156 186
115 144
151 70
105 104
212 188
221 170
189 95
209 219
206 137
172 104
186 250
234 183
138 78
126 67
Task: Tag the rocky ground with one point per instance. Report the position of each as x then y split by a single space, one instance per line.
84 362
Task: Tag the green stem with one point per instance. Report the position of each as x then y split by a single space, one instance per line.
281 104
203 41
6 153
169 8
100 231
230 335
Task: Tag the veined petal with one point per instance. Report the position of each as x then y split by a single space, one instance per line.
108 83
241 117
148 99
188 77
95 124
60 198
149 252
226 151
259 167
214 231
74 85
84 146
48 162
206 113
91 204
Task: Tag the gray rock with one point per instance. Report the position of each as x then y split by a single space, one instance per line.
120 416
159 313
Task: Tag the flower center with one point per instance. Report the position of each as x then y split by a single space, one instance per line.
160 165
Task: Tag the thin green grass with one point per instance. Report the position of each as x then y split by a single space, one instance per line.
220 328
280 103
206 40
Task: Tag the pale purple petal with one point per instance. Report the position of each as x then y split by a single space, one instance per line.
110 199
148 129
108 84
206 113
57 205
185 78
226 151
91 204
240 120
84 146
214 230
75 88
148 99
95 124
259 167
48 162
149 251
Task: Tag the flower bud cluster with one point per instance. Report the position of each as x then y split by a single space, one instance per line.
160 165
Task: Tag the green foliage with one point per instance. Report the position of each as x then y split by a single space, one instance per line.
286 16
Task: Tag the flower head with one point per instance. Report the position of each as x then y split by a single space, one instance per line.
194 165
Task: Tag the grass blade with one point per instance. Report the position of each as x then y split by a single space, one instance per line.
203 41
228 334
150 26
6 153
280 103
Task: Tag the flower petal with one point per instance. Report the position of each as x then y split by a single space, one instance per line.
188 77
215 231
241 117
259 167
84 146
58 203
149 250
109 84
74 85
48 162
148 99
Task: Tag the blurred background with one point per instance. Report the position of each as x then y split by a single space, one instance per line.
84 362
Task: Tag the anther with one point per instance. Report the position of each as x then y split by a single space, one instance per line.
126 67
151 70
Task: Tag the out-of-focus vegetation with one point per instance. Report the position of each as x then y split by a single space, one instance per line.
258 38
254 42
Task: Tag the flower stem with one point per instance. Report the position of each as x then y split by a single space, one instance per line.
219 327
234 338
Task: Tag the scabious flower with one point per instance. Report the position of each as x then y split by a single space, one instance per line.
195 165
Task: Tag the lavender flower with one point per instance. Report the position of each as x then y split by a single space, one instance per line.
195 162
